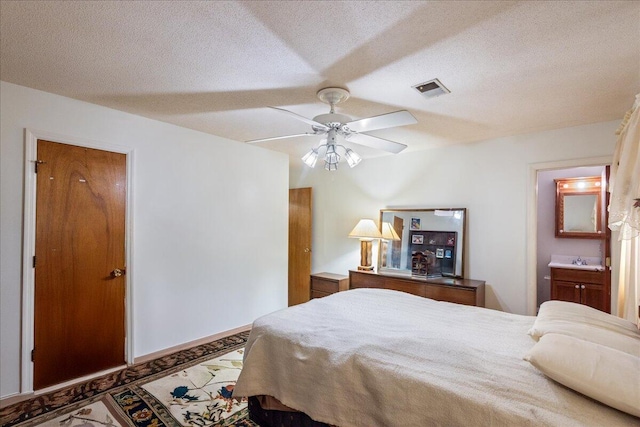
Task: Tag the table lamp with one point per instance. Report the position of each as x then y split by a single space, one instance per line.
366 231
388 234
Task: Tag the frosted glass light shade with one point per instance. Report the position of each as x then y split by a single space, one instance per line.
331 158
352 157
330 166
311 158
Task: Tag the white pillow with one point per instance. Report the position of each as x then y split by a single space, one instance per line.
587 323
564 310
604 374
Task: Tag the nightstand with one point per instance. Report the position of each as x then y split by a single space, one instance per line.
323 284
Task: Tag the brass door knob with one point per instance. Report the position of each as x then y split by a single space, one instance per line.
117 272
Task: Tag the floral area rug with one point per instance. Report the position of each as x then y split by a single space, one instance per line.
190 388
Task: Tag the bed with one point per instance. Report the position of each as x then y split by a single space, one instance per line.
375 357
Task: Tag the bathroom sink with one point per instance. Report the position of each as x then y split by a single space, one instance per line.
594 267
576 262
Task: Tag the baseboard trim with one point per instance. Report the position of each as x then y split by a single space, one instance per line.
19 397
180 347
14 398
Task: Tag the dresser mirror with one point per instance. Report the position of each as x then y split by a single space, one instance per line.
579 207
422 242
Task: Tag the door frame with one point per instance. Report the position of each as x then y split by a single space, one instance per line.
532 219
31 137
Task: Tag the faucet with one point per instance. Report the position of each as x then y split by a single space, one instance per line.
579 261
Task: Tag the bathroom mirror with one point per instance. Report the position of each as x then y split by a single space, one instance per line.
438 233
579 207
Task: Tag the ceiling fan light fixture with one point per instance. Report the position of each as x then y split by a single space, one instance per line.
331 157
331 166
334 125
352 157
310 158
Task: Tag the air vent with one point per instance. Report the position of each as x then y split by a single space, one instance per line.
431 89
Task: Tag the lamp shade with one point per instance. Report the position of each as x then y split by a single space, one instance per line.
352 157
331 158
365 229
388 233
311 158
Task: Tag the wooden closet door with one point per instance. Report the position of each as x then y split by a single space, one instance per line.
79 263
300 222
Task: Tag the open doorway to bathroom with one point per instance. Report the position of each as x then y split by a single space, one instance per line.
547 244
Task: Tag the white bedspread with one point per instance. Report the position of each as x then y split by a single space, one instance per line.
371 357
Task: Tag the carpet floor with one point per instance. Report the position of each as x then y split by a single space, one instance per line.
192 387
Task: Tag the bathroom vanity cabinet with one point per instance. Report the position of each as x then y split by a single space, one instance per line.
581 286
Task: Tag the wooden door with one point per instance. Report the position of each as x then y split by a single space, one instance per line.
594 296
299 245
565 291
80 230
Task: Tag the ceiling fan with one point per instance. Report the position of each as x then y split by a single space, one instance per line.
334 124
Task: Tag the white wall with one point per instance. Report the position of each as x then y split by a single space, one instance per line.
489 178
209 223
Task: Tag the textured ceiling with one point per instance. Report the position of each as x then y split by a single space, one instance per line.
512 67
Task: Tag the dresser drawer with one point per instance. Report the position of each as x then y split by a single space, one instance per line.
451 294
457 290
319 294
369 280
406 286
365 280
323 284
580 276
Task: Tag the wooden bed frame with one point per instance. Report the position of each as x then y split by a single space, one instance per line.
285 417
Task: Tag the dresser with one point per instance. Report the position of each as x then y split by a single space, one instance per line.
323 284
461 291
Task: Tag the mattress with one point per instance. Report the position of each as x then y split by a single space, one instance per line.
375 357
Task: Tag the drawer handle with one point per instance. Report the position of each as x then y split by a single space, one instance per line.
582 287
577 286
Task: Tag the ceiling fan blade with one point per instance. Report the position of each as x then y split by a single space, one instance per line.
302 118
376 142
280 137
383 121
